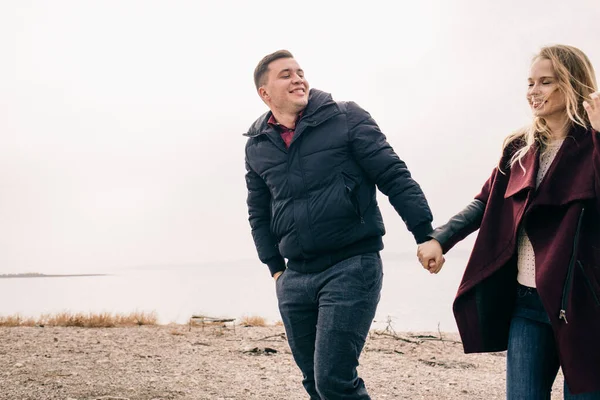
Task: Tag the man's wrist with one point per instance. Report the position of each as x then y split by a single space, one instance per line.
422 232
276 264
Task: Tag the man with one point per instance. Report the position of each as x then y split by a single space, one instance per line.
312 166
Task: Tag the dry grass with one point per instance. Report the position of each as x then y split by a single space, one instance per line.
137 318
253 321
82 320
16 320
108 320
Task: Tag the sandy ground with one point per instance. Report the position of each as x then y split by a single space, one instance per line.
182 362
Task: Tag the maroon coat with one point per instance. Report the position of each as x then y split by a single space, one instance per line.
563 225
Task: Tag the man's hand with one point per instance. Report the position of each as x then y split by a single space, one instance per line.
430 255
592 107
277 275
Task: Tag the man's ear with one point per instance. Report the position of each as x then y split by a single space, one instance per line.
263 93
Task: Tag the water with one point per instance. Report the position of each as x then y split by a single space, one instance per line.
412 299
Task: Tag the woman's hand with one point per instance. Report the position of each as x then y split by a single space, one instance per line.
592 107
431 256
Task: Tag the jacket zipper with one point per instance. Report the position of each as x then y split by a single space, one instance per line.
567 287
309 121
354 202
352 197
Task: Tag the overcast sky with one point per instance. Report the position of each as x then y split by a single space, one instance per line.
121 121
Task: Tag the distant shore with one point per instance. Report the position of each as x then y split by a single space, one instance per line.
36 275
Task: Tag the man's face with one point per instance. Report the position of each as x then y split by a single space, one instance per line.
285 89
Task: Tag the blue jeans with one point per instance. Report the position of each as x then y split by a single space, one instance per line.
532 359
327 316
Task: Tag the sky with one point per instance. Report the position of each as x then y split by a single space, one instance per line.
121 122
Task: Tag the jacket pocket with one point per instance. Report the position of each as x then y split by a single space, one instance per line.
350 189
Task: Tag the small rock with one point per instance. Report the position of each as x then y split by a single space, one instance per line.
19 365
259 350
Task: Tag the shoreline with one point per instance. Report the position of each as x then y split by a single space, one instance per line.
48 276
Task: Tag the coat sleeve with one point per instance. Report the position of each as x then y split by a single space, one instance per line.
259 216
460 226
383 166
467 221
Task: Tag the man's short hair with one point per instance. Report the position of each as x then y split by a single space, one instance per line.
260 72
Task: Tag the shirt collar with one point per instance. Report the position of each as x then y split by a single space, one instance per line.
273 122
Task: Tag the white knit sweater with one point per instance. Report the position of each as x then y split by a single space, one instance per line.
526 256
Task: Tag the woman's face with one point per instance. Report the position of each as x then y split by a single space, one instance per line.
543 95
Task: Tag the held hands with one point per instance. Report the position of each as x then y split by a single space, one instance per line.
592 107
430 255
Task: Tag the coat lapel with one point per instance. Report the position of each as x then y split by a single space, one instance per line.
520 180
571 175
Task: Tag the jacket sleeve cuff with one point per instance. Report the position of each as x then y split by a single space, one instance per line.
276 264
441 236
421 232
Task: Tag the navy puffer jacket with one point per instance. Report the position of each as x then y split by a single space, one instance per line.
314 203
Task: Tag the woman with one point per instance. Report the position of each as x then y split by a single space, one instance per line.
532 284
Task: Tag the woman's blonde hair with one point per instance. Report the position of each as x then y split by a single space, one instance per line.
576 81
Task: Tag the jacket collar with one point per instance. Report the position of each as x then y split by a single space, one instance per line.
569 178
320 108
